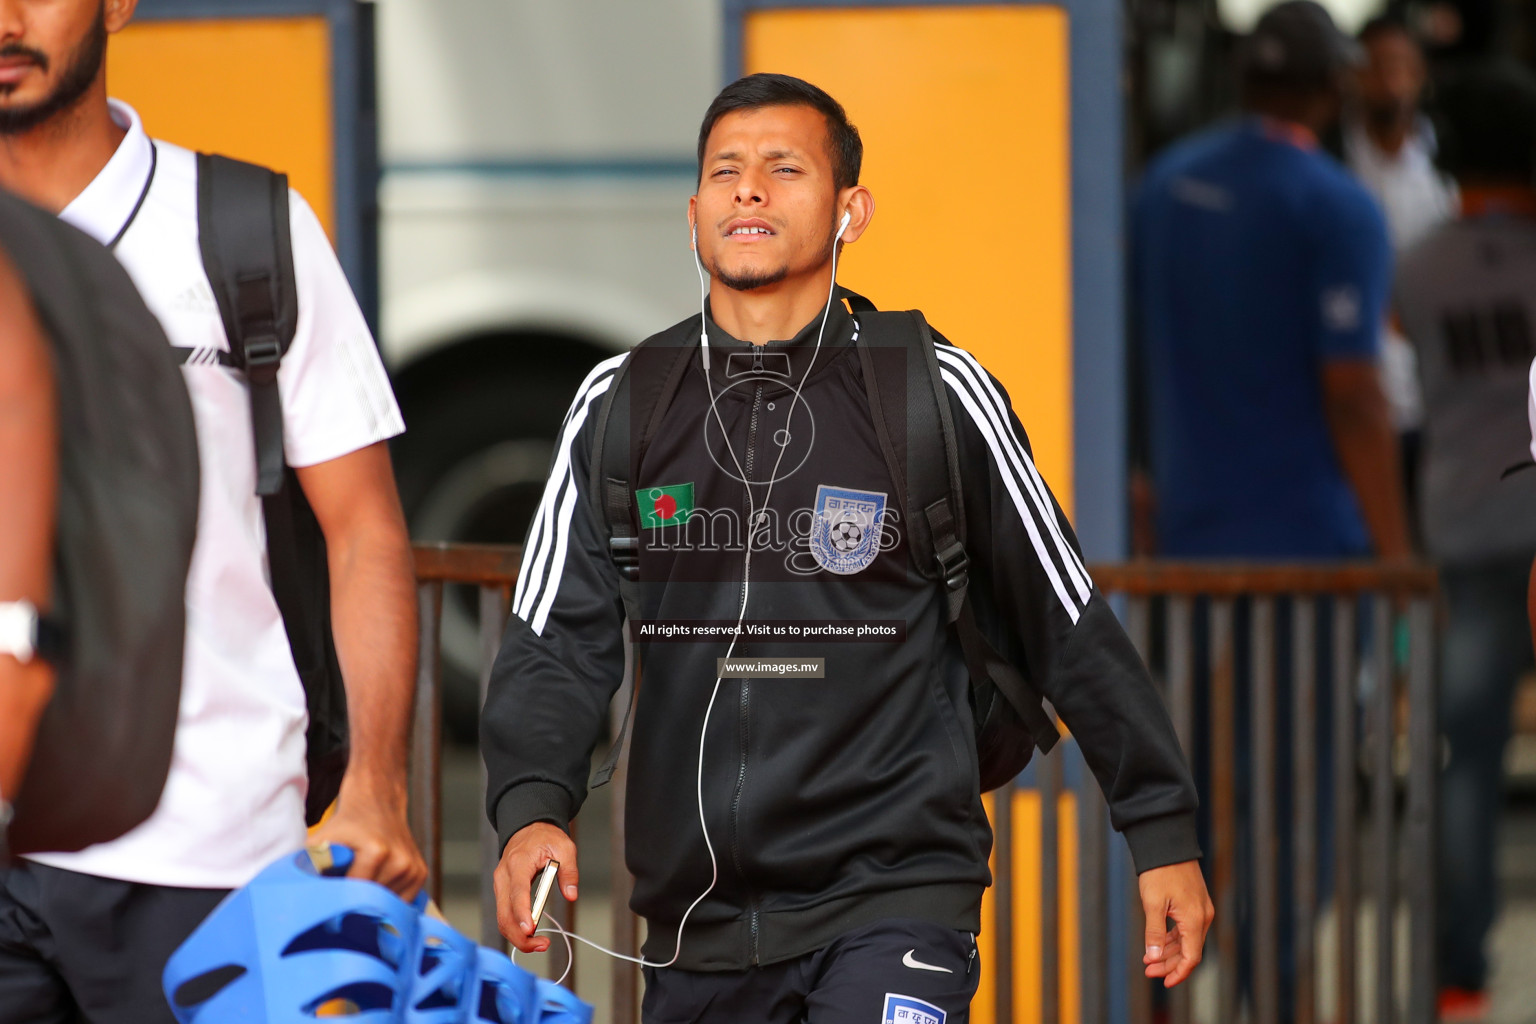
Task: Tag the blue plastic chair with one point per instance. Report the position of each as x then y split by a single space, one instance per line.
293 946
559 1005
506 994
446 966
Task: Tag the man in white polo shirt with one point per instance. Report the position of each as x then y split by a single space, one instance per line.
84 936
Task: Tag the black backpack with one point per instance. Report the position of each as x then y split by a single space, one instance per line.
1011 720
126 523
243 233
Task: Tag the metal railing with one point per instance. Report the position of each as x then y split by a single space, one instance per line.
1189 621
1201 613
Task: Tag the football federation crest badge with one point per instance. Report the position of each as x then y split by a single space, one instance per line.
907 1010
845 536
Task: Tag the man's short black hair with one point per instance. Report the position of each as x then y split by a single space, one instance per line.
768 90
1487 123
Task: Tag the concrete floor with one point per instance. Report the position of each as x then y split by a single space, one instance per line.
1514 937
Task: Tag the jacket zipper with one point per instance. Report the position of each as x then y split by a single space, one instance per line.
744 717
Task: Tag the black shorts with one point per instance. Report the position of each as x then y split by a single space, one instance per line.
889 972
78 949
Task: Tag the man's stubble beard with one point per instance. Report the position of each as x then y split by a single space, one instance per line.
749 281
79 75
754 279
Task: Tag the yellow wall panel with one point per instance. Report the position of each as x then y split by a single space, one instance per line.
256 89
964 114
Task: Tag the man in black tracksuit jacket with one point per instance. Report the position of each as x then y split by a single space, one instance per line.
842 819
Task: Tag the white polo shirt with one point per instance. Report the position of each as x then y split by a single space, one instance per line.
234 800
1530 408
1416 198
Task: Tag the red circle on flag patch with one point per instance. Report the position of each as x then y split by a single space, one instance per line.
665 507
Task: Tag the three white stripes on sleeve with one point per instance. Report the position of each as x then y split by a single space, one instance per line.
544 558
984 402
548 539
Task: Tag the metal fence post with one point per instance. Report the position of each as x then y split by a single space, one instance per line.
1048 777
1383 796
1093 833
1224 803
1345 756
426 807
1138 989
494 605
1304 852
1423 803
626 926
1180 638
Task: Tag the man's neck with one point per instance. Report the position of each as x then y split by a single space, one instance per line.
771 313
1389 138
1283 129
54 162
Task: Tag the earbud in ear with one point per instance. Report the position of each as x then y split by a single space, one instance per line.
695 236
843 225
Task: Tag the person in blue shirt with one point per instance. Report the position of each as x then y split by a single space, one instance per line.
1260 273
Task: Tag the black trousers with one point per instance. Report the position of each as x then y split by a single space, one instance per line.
889 972
77 949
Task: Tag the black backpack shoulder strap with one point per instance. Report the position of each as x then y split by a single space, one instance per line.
607 476
917 435
633 397
243 233
247 251
924 460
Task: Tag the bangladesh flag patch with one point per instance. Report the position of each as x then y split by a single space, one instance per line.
664 506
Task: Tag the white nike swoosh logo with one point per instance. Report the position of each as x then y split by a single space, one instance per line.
917 965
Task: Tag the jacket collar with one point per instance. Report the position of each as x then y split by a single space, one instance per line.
733 362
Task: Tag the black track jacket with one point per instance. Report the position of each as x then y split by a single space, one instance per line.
833 802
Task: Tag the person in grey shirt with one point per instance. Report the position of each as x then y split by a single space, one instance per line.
1466 298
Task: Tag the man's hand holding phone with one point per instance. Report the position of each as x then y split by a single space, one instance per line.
529 853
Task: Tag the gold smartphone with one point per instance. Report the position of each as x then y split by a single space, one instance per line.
541 890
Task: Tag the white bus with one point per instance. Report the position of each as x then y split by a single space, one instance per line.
537 159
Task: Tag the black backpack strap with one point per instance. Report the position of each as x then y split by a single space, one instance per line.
615 459
919 447
247 250
924 460
243 233
615 462
608 476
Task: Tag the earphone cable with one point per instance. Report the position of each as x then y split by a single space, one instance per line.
746 582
